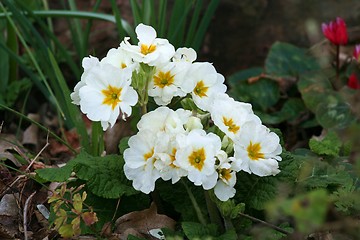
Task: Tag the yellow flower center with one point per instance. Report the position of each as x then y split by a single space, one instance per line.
225 174
200 89
162 79
112 96
123 65
197 158
149 154
254 151
232 127
145 49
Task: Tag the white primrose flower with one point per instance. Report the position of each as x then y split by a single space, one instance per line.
167 82
224 188
164 119
185 54
139 161
203 82
229 115
193 123
107 91
196 153
87 64
150 49
166 149
257 150
120 58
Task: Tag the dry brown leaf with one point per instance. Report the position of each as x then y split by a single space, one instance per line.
57 148
30 136
113 135
9 216
8 142
139 223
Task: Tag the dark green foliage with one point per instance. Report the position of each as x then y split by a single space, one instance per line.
194 230
255 191
330 108
286 60
292 109
177 196
330 145
104 176
263 94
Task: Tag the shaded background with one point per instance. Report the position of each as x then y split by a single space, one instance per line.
241 32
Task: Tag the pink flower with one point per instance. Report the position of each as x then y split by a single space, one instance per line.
357 52
335 31
353 81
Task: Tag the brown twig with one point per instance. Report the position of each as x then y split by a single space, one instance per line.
25 214
265 223
10 185
117 207
36 157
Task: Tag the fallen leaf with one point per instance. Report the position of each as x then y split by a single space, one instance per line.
113 135
8 142
9 216
139 223
56 148
30 135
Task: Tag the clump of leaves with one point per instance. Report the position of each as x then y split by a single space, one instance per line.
68 208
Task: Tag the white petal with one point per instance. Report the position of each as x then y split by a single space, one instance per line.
146 34
224 191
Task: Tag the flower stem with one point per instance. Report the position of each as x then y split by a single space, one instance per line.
337 80
97 139
195 204
214 213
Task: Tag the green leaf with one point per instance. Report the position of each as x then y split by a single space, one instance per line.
263 93
228 235
289 167
286 60
195 230
105 176
334 114
176 195
56 174
331 110
309 210
320 174
291 109
330 145
255 191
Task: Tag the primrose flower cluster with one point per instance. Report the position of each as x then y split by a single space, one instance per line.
172 144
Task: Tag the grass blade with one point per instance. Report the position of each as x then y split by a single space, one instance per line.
88 27
76 31
80 14
161 25
4 60
27 29
205 21
117 14
194 22
72 111
38 125
135 12
148 12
